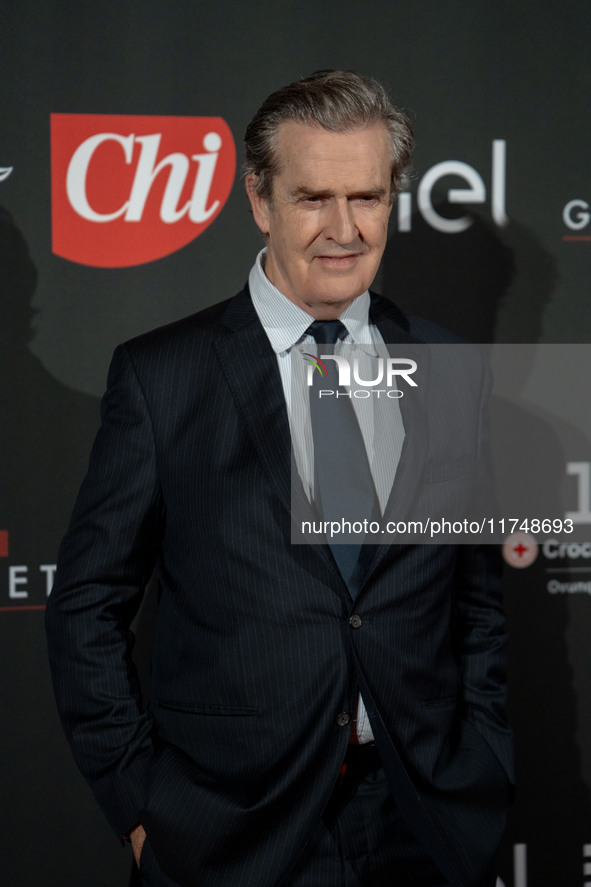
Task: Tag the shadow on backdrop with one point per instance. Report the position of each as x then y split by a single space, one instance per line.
482 284
50 824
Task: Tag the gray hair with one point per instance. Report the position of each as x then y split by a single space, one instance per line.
336 101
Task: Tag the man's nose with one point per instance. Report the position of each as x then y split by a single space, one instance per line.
340 224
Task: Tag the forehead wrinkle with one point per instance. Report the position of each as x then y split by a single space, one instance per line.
310 164
341 150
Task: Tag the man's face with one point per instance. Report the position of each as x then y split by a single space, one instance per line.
327 223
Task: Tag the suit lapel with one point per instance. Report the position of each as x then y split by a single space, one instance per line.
412 458
393 327
250 366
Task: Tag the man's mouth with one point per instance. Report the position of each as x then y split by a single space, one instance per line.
342 261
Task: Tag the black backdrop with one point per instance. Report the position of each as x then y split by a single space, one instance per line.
472 74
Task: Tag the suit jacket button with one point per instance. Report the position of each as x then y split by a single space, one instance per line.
343 719
355 620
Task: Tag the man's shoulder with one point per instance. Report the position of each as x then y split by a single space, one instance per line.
411 326
430 341
192 331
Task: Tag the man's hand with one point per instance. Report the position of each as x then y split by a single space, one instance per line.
137 836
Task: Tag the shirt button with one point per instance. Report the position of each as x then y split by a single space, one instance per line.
355 621
343 719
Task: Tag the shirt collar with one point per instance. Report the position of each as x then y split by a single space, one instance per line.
285 323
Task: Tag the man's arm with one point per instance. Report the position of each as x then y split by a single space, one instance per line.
104 563
481 641
479 625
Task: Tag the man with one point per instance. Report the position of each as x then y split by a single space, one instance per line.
309 724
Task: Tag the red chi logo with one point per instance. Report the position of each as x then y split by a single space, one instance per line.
127 190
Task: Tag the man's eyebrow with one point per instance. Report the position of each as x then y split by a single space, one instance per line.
304 191
370 192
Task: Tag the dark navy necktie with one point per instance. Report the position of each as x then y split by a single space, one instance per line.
344 490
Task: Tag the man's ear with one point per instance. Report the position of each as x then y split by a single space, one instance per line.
259 205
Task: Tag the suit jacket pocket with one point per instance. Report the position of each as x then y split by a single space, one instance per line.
441 702
208 708
438 472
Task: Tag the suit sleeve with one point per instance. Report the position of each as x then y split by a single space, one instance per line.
480 625
103 566
482 643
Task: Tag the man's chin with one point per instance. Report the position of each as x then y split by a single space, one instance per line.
331 305
334 294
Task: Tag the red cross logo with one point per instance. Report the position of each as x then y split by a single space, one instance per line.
520 550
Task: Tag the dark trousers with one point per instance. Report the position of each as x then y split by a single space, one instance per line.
362 840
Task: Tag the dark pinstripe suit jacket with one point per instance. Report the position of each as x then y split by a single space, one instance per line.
254 659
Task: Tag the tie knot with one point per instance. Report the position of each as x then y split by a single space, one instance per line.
327 332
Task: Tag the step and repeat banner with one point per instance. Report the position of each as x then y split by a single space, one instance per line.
122 208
